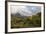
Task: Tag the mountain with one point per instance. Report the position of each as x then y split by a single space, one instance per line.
18 15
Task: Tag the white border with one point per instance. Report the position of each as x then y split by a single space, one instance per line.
25 29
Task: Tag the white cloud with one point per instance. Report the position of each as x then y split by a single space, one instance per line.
22 10
14 9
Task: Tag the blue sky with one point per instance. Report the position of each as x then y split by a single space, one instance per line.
25 10
34 8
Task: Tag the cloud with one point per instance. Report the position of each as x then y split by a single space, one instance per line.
23 10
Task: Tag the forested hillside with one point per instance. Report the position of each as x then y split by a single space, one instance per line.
30 21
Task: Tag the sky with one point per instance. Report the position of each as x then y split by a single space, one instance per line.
25 10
